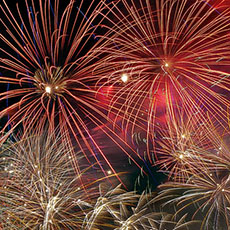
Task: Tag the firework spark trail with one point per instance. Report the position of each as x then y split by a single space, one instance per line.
39 187
173 53
48 59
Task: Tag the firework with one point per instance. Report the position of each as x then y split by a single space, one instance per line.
121 210
165 54
47 61
47 72
39 188
185 144
107 207
204 195
203 191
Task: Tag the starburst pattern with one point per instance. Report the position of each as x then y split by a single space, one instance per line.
78 76
39 188
170 53
184 144
48 59
204 190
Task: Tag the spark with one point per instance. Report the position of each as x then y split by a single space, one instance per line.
124 78
48 89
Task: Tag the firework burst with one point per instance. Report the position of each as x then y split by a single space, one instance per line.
165 54
106 208
47 61
204 195
39 188
185 144
204 189
47 71
121 210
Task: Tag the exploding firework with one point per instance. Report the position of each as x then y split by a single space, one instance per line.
47 61
165 54
106 208
204 195
39 188
185 144
121 210
45 66
203 191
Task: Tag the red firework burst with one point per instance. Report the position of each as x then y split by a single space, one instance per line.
47 61
164 54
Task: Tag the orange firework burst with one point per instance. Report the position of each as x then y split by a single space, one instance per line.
42 52
164 54
47 61
188 143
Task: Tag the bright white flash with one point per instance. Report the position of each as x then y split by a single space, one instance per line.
124 78
48 89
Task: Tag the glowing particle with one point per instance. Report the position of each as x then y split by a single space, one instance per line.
109 172
223 190
183 136
48 89
166 65
181 156
124 78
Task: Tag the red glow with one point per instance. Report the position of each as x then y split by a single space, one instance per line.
220 4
